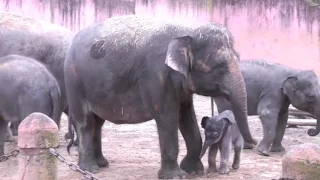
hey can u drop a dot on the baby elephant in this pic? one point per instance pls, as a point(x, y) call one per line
point(26, 87)
point(222, 132)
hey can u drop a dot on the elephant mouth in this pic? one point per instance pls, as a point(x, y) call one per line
point(214, 92)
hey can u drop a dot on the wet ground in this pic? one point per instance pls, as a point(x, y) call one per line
point(133, 152)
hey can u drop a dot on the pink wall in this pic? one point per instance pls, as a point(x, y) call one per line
point(284, 31)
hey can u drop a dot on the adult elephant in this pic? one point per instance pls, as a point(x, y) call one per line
point(271, 88)
point(45, 42)
point(130, 69)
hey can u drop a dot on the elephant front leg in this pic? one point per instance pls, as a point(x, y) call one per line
point(281, 127)
point(189, 129)
point(225, 149)
point(269, 119)
point(168, 137)
point(213, 150)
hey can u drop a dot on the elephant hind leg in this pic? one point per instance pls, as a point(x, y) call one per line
point(3, 131)
point(100, 159)
point(281, 127)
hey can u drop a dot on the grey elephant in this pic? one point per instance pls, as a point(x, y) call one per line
point(221, 132)
point(130, 69)
point(271, 88)
point(27, 87)
point(40, 40)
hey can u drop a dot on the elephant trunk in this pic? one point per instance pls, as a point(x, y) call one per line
point(236, 90)
point(205, 146)
point(312, 131)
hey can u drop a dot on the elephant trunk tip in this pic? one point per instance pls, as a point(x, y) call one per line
point(313, 132)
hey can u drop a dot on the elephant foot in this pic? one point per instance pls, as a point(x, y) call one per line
point(235, 165)
point(263, 150)
point(193, 166)
point(8, 137)
point(171, 173)
point(102, 162)
point(277, 148)
point(247, 145)
point(224, 170)
point(90, 166)
point(212, 170)
point(76, 142)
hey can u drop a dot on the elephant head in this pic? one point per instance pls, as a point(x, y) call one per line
point(303, 91)
point(210, 66)
point(215, 128)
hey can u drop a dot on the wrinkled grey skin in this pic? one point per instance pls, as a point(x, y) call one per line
point(27, 87)
point(221, 132)
point(130, 69)
point(271, 88)
point(40, 40)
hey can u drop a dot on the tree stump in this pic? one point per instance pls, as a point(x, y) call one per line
point(302, 162)
point(36, 134)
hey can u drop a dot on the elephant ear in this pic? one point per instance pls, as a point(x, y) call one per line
point(179, 55)
point(204, 121)
point(290, 85)
point(228, 116)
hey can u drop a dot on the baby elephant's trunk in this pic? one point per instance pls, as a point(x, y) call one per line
point(205, 146)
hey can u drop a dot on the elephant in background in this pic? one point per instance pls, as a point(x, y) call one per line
point(271, 88)
point(45, 42)
point(130, 69)
point(27, 87)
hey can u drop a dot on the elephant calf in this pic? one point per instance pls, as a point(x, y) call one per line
point(27, 87)
point(221, 132)
point(271, 88)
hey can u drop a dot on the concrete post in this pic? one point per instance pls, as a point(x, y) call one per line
point(302, 162)
point(36, 134)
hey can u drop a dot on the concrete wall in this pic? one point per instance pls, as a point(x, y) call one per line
point(283, 31)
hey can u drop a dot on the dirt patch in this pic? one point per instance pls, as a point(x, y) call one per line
point(133, 152)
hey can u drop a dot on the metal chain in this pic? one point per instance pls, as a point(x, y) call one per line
point(72, 166)
point(5, 157)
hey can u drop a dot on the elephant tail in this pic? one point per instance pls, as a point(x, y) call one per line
point(55, 99)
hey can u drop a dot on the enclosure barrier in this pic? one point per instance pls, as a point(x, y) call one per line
point(37, 140)
point(36, 134)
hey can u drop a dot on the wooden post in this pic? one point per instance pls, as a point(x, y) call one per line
point(212, 106)
point(36, 134)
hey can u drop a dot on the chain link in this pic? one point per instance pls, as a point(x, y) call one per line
point(5, 157)
point(72, 166)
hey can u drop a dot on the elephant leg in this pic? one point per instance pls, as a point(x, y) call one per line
point(268, 117)
point(190, 131)
point(238, 146)
point(225, 150)
point(14, 128)
point(213, 150)
point(8, 136)
point(281, 127)
point(100, 159)
point(86, 127)
point(68, 134)
point(247, 146)
point(3, 130)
